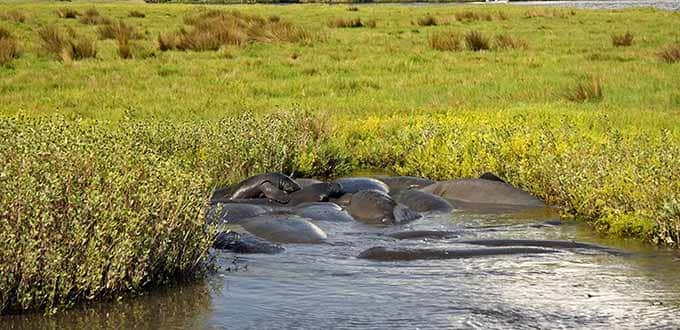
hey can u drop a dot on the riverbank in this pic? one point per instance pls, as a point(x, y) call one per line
point(553, 106)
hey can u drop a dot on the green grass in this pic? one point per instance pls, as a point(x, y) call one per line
point(107, 160)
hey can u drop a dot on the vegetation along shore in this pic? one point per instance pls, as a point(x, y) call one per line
point(118, 119)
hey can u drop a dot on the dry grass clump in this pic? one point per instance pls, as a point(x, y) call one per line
point(92, 17)
point(507, 41)
point(622, 40)
point(66, 47)
point(214, 28)
point(352, 8)
point(502, 16)
point(476, 41)
point(14, 16)
point(427, 20)
point(136, 14)
point(671, 53)
point(350, 23)
point(533, 13)
point(470, 16)
point(588, 89)
point(118, 30)
point(67, 13)
point(9, 47)
point(446, 41)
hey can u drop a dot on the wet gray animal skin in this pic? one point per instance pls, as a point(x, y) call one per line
point(481, 191)
point(244, 243)
point(323, 212)
point(378, 208)
point(232, 213)
point(424, 234)
point(386, 254)
point(353, 185)
point(318, 192)
point(304, 182)
point(284, 228)
point(536, 243)
point(421, 201)
point(274, 186)
point(396, 183)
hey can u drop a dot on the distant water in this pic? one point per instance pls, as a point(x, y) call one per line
point(673, 5)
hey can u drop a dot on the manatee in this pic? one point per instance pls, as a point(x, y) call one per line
point(377, 207)
point(422, 234)
point(304, 182)
point(421, 201)
point(323, 212)
point(284, 228)
point(353, 185)
point(274, 186)
point(244, 243)
point(318, 192)
point(402, 254)
point(490, 177)
point(223, 213)
point(405, 182)
point(481, 191)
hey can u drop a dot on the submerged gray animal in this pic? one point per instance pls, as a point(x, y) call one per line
point(353, 185)
point(274, 186)
point(323, 212)
point(376, 207)
point(482, 191)
point(318, 192)
point(423, 201)
point(284, 228)
point(244, 243)
point(403, 254)
point(304, 182)
point(396, 183)
point(233, 213)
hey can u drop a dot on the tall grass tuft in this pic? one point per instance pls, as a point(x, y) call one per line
point(67, 13)
point(346, 23)
point(671, 53)
point(445, 41)
point(66, 47)
point(118, 30)
point(588, 89)
point(507, 41)
point(136, 14)
point(212, 29)
point(476, 41)
point(92, 17)
point(14, 15)
point(427, 20)
point(9, 47)
point(622, 40)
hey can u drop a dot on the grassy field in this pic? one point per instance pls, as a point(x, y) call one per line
point(117, 122)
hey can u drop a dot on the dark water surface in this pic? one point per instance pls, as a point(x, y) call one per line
point(326, 286)
point(673, 5)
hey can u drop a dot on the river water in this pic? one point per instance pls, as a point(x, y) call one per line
point(673, 5)
point(326, 286)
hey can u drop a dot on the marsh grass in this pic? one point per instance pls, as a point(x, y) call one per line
point(167, 41)
point(92, 17)
point(445, 41)
point(671, 53)
point(9, 47)
point(477, 41)
point(352, 8)
point(14, 15)
point(67, 47)
point(67, 13)
point(118, 30)
point(508, 41)
point(136, 14)
point(587, 89)
point(427, 20)
point(622, 40)
point(471, 16)
point(350, 23)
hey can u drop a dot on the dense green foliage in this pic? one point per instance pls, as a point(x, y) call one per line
point(106, 160)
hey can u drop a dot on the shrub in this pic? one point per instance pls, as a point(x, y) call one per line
point(588, 89)
point(445, 41)
point(506, 41)
point(92, 17)
point(14, 16)
point(66, 47)
point(670, 53)
point(67, 13)
point(476, 41)
point(622, 40)
point(346, 23)
point(119, 31)
point(427, 20)
point(136, 14)
point(9, 47)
